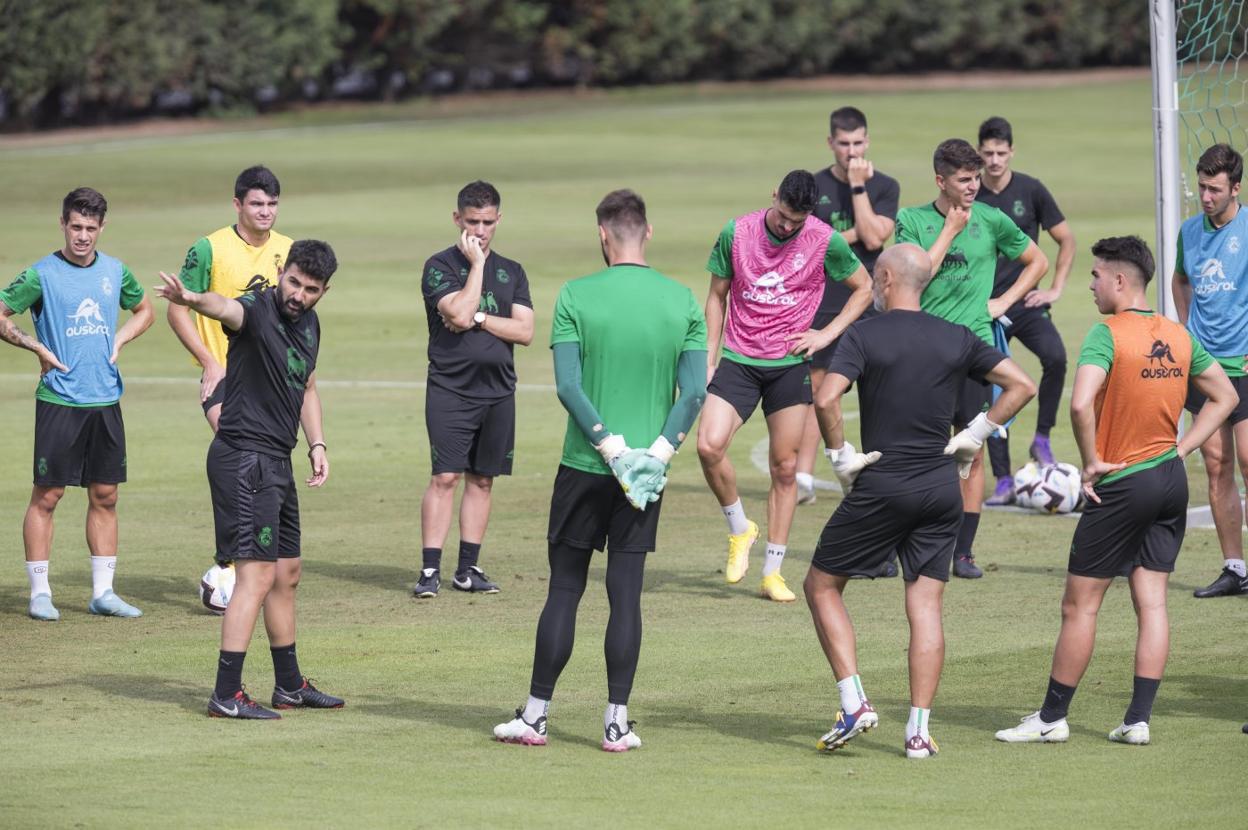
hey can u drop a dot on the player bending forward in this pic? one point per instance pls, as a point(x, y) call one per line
point(270, 387)
point(902, 493)
point(1129, 391)
point(624, 340)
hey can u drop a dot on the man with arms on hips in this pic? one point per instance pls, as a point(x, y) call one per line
point(478, 307)
point(245, 256)
point(860, 203)
point(74, 296)
point(1211, 296)
point(270, 389)
point(1032, 207)
point(902, 491)
point(768, 272)
point(626, 342)
point(964, 238)
point(1130, 385)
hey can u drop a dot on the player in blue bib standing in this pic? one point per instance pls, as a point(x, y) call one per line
point(74, 296)
point(1211, 296)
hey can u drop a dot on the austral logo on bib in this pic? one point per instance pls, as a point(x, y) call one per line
point(769, 290)
point(1211, 278)
point(1158, 356)
point(86, 320)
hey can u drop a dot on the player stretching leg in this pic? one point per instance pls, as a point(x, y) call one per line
point(1130, 386)
point(902, 492)
point(624, 340)
point(768, 272)
point(270, 388)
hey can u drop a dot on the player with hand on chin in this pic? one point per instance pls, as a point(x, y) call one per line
point(270, 389)
point(902, 493)
point(1130, 387)
point(626, 342)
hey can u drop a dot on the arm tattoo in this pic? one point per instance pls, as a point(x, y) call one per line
point(12, 334)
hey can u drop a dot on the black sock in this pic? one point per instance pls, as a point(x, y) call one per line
point(1056, 701)
point(229, 674)
point(432, 557)
point(966, 534)
point(1141, 708)
point(468, 554)
point(286, 668)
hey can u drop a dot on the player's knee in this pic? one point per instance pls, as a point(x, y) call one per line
point(255, 578)
point(483, 483)
point(291, 570)
point(103, 496)
point(710, 451)
point(45, 499)
point(784, 470)
point(445, 482)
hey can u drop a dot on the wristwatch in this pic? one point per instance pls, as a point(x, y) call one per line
point(478, 319)
point(858, 188)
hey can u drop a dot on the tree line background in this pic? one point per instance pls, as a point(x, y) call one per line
point(91, 61)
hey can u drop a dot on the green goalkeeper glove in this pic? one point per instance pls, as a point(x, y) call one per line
point(648, 475)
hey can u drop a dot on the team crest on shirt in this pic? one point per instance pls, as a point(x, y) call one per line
point(1018, 208)
point(799, 259)
point(1232, 244)
point(106, 286)
point(974, 231)
point(824, 200)
point(502, 276)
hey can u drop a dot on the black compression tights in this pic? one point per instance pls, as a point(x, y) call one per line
point(556, 629)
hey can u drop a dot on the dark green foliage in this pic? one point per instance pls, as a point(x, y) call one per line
point(85, 60)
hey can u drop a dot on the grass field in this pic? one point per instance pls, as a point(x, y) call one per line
point(104, 719)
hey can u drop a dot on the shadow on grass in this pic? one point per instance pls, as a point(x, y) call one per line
point(150, 688)
point(1059, 573)
point(760, 727)
point(1218, 697)
point(478, 721)
point(139, 589)
point(384, 577)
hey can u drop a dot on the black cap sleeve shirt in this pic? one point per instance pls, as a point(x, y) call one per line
point(909, 368)
point(267, 369)
point(473, 364)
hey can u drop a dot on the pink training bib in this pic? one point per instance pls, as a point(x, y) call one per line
point(776, 289)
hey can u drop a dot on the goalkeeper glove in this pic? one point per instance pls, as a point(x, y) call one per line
point(847, 463)
point(648, 475)
point(616, 453)
point(965, 445)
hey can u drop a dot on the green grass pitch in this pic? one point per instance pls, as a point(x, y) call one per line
point(103, 720)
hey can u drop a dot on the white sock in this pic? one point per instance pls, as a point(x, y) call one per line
point(917, 725)
point(616, 714)
point(852, 695)
point(775, 558)
point(102, 570)
point(1236, 565)
point(535, 708)
point(735, 514)
point(37, 572)
point(805, 481)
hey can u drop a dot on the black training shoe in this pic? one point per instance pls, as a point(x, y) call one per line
point(428, 584)
point(240, 706)
point(473, 579)
point(306, 696)
point(964, 566)
point(1228, 584)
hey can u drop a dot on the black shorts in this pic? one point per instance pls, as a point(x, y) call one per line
point(974, 398)
point(1195, 400)
point(1139, 522)
point(476, 436)
point(743, 385)
point(589, 510)
point(254, 504)
point(217, 397)
point(865, 530)
point(79, 445)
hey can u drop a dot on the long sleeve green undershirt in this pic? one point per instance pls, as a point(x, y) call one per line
point(691, 381)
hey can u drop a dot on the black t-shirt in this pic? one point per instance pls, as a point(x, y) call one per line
point(473, 364)
point(909, 367)
point(1031, 206)
point(266, 372)
point(835, 206)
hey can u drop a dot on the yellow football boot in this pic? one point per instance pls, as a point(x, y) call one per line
point(739, 553)
point(774, 589)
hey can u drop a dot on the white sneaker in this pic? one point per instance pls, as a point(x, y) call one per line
point(519, 731)
point(805, 493)
point(1136, 734)
point(1033, 730)
point(614, 741)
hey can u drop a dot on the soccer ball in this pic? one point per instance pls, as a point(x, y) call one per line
point(1026, 480)
point(1058, 490)
point(216, 587)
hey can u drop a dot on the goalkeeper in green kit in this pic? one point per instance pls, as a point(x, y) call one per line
point(627, 342)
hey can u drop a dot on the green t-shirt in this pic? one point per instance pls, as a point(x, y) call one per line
point(632, 324)
point(1098, 350)
point(196, 273)
point(962, 287)
point(839, 264)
